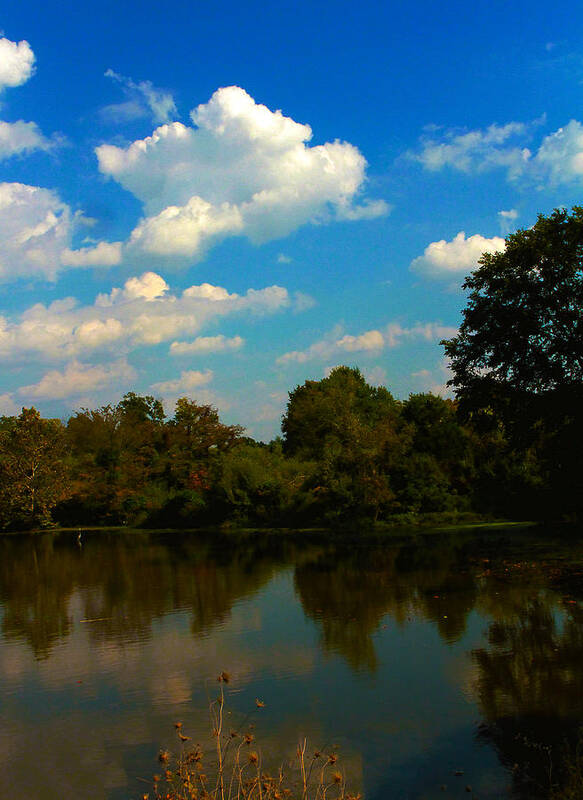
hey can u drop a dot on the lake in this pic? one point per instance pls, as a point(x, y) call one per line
point(417, 656)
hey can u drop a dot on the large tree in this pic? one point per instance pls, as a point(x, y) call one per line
point(353, 431)
point(34, 469)
point(518, 357)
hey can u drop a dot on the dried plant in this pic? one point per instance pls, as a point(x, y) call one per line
point(234, 770)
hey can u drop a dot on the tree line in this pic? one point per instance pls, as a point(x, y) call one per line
point(348, 451)
point(510, 445)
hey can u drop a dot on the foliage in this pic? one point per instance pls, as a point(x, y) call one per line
point(352, 430)
point(522, 328)
point(350, 452)
point(33, 469)
point(517, 359)
point(260, 485)
point(333, 411)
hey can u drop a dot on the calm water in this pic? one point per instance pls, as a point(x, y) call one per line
point(417, 656)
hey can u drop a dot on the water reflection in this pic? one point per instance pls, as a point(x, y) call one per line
point(125, 582)
point(530, 689)
point(138, 621)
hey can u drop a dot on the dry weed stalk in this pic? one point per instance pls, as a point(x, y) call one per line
point(236, 774)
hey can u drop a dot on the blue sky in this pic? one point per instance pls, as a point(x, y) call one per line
point(222, 202)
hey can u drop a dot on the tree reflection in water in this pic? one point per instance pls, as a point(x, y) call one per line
point(527, 678)
point(530, 690)
point(125, 582)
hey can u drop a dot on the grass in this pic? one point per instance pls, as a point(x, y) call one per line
point(232, 768)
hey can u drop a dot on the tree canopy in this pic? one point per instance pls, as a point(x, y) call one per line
point(517, 360)
point(522, 328)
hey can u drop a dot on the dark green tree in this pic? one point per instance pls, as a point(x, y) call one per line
point(352, 429)
point(437, 473)
point(518, 357)
point(119, 464)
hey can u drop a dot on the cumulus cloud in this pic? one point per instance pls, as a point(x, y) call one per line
point(17, 138)
point(104, 254)
point(477, 150)
point(16, 67)
point(78, 379)
point(239, 170)
point(144, 99)
point(36, 232)
point(373, 341)
point(444, 259)
point(189, 380)
point(16, 63)
point(559, 159)
point(35, 225)
point(206, 344)
point(142, 312)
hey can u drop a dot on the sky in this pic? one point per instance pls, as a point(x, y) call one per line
point(221, 201)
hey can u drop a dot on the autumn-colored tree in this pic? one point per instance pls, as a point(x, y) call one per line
point(194, 436)
point(34, 473)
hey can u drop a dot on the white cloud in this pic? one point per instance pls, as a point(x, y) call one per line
point(143, 312)
point(34, 227)
point(189, 380)
point(434, 380)
point(77, 379)
point(392, 335)
point(477, 150)
point(206, 344)
point(370, 209)
point(16, 63)
point(144, 99)
point(148, 287)
point(303, 302)
point(283, 259)
point(444, 259)
point(240, 170)
point(559, 159)
point(371, 340)
point(16, 67)
point(36, 232)
point(21, 137)
point(8, 408)
point(376, 376)
point(187, 230)
point(104, 254)
point(507, 219)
